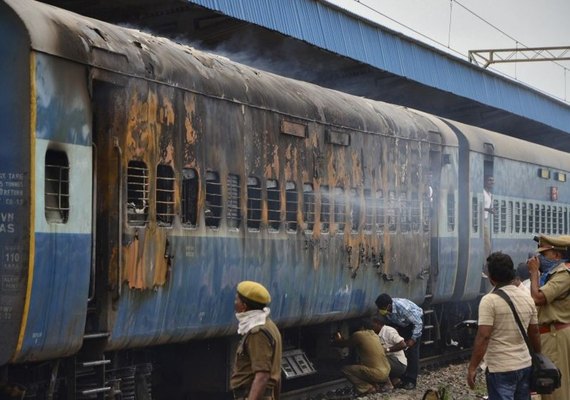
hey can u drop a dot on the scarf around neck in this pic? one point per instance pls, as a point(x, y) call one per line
point(250, 319)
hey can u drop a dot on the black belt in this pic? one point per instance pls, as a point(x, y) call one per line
point(242, 393)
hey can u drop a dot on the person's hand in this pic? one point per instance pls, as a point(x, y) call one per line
point(471, 374)
point(410, 343)
point(533, 265)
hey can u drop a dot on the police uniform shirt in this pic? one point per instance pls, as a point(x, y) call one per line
point(255, 354)
point(556, 290)
point(370, 351)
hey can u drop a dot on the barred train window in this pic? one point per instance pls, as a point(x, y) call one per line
point(137, 193)
point(392, 211)
point(164, 195)
point(291, 206)
point(531, 218)
point(325, 208)
point(253, 203)
point(190, 186)
point(475, 214)
point(369, 210)
point(561, 230)
point(450, 212)
point(233, 212)
point(355, 210)
point(273, 204)
point(56, 187)
point(213, 207)
point(309, 206)
point(404, 212)
point(524, 218)
point(503, 216)
point(379, 211)
point(339, 208)
point(543, 227)
point(415, 213)
point(496, 216)
point(517, 217)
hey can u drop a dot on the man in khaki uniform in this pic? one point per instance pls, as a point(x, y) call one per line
point(374, 368)
point(550, 290)
point(257, 368)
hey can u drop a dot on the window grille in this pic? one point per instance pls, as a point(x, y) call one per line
point(233, 212)
point(415, 213)
point(504, 215)
point(517, 217)
point(56, 187)
point(164, 195)
point(190, 186)
point(510, 218)
point(309, 206)
point(392, 211)
point(291, 198)
point(325, 208)
point(379, 211)
point(339, 208)
point(543, 224)
point(561, 230)
point(355, 213)
point(554, 219)
point(524, 218)
point(404, 212)
point(273, 204)
point(531, 224)
point(450, 212)
point(496, 217)
point(475, 214)
point(253, 203)
point(137, 193)
point(213, 206)
point(368, 210)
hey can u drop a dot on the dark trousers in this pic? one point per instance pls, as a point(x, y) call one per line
point(413, 355)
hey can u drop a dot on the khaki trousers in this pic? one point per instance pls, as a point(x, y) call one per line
point(364, 378)
point(556, 345)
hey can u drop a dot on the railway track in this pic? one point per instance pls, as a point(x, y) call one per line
point(341, 389)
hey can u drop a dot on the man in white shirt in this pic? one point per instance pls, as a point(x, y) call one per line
point(394, 346)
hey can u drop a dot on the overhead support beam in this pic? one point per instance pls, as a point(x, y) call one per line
point(527, 54)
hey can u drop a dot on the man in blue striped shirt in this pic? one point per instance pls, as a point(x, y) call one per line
point(406, 317)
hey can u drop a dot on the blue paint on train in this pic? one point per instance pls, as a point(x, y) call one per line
point(60, 288)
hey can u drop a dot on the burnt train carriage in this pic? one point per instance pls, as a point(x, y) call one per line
point(142, 179)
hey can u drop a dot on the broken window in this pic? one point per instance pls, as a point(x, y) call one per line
point(355, 210)
point(369, 210)
point(164, 195)
point(309, 206)
point(291, 206)
point(137, 193)
point(189, 197)
point(56, 187)
point(339, 208)
point(213, 206)
point(233, 214)
point(253, 203)
point(273, 204)
point(325, 208)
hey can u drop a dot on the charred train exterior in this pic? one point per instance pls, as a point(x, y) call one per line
point(142, 179)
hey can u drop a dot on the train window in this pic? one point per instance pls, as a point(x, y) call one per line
point(426, 208)
point(554, 219)
point(392, 211)
point(565, 221)
point(450, 212)
point(369, 210)
point(415, 212)
point(549, 229)
point(253, 203)
point(273, 204)
point(543, 224)
point(291, 206)
point(309, 206)
point(137, 193)
point(379, 211)
point(504, 215)
point(524, 216)
point(164, 195)
point(537, 221)
point(517, 217)
point(510, 218)
point(213, 207)
point(189, 197)
point(325, 208)
point(475, 214)
point(339, 208)
point(56, 187)
point(233, 211)
point(531, 218)
point(496, 216)
point(355, 210)
point(561, 230)
point(404, 212)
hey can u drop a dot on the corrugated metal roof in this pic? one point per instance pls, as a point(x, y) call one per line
point(338, 31)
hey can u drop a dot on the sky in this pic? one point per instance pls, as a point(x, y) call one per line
point(528, 23)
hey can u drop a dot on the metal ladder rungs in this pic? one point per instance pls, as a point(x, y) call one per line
point(95, 363)
point(96, 390)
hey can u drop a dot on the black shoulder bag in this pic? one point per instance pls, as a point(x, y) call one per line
point(545, 377)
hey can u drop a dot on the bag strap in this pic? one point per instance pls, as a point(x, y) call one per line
point(506, 297)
